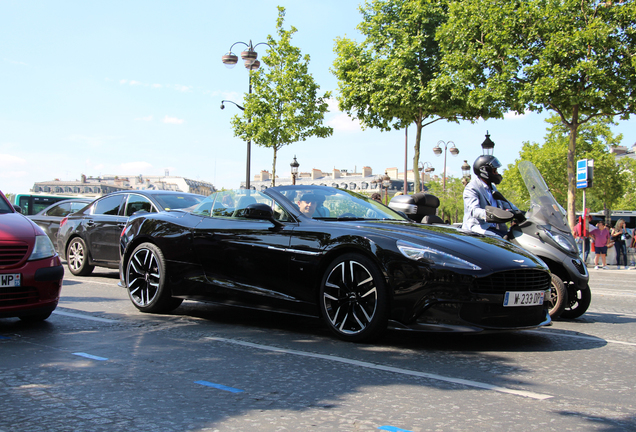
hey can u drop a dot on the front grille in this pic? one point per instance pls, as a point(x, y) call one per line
point(15, 296)
point(579, 266)
point(512, 280)
point(12, 253)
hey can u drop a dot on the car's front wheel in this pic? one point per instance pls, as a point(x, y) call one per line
point(77, 258)
point(146, 280)
point(353, 298)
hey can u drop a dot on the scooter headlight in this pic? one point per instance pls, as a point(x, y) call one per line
point(562, 241)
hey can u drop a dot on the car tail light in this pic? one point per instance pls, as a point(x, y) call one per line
point(63, 222)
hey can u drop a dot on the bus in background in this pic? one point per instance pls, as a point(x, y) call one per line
point(34, 203)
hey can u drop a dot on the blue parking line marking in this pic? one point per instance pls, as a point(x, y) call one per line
point(393, 429)
point(90, 356)
point(219, 386)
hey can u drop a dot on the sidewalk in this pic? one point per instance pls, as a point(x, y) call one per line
point(590, 267)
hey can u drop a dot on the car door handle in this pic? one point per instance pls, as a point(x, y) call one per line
point(90, 223)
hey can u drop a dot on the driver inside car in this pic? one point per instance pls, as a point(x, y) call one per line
point(308, 204)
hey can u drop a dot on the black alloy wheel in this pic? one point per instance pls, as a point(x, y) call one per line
point(353, 298)
point(578, 302)
point(558, 297)
point(77, 258)
point(146, 280)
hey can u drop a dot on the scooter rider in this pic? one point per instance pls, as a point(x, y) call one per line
point(481, 214)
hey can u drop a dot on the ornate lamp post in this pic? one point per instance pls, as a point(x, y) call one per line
point(488, 146)
point(438, 151)
point(465, 173)
point(425, 167)
point(294, 169)
point(250, 57)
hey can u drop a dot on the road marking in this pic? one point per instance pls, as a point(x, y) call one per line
point(590, 338)
point(393, 429)
point(219, 386)
point(367, 365)
point(86, 317)
point(90, 356)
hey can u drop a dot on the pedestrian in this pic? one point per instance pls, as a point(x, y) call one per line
point(601, 238)
point(618, 237)
point(376, 197)
point(582, 237)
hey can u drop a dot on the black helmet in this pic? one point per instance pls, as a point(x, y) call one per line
point(485, 167)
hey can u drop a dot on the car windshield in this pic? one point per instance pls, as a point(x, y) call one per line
point(326, 203)
point(232, 203)
point(177, 201)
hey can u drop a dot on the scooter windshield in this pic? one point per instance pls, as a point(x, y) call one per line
point(544, 209)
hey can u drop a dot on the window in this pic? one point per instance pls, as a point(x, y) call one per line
point(138, 203)
point(108, 205)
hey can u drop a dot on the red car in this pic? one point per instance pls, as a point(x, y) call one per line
point(31, 272)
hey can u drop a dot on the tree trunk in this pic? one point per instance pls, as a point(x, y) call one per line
point(416, 155)
point(572, 168)
point(274, 168)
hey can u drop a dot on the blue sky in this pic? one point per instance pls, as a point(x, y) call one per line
point(134, 87)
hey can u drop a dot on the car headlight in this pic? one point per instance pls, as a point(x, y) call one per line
point(434, 256)
point(562, 241)
point(43, 248)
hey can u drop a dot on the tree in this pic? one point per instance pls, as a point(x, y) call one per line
point(451, 201)
point(573, 57)
point(388, 80)
point(594, 141)
point(627, 167)
point(284, 107)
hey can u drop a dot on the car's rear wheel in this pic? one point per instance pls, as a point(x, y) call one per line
point(353, 298)
point(146, 280)
point(77, 258)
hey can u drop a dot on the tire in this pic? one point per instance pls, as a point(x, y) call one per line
point(146, 280)
point(558, 297)
point(353, 299)
point(77, 258)
point(578, 302)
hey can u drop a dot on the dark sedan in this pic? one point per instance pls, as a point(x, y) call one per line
point(90, 237)
point(49, 219)
point(327, 252)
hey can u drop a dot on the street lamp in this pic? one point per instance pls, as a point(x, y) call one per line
point(294, 169)
point(425, 167)
point(488, 146)
point(230, 60)
point(438, 151)
point(465, 173)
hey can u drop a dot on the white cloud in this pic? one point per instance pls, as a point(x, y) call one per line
point(342, 122)
point(13, 175)
point(146, 118)
point(15, 62)
point(10, 161)
point(133, 82)
point(182, 88)
point(172, 120)
point(156, 86)
point(135, 167)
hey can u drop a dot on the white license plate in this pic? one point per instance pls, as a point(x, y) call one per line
point(9, 280)
point(523, 298)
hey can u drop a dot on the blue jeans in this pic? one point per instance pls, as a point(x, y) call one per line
point(621, 251)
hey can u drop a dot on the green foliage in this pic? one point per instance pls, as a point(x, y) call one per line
point(284, 107)
point(627, 167)
point(594, 141)
point(451, 202)
point(388, 81)
point(574, 57)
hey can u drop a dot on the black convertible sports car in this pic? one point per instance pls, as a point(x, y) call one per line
point(332, 253)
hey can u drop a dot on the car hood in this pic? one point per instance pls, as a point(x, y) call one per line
point(14, 226)
point(489, 253)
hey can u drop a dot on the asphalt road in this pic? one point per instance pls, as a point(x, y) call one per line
point(99, 365)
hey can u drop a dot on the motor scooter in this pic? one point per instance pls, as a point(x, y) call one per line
point(543, 231)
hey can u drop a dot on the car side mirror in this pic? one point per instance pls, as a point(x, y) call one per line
point(17, 208)
point(260, 211)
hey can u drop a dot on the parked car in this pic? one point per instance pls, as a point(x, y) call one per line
point(49, 219)
point(31, 272)
point(356, 263)
point(90, 237)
